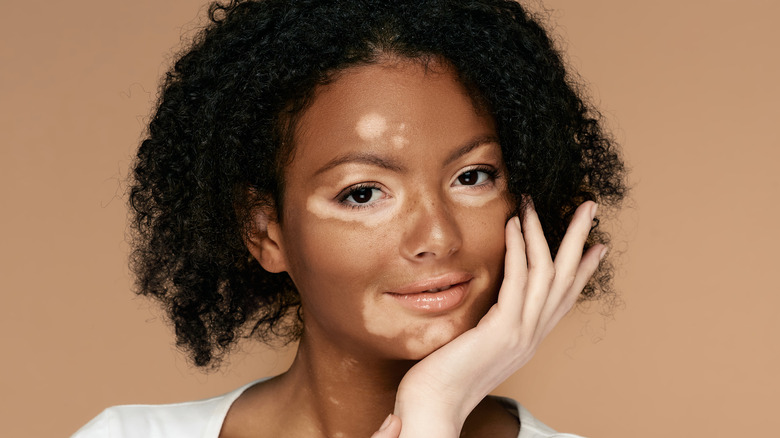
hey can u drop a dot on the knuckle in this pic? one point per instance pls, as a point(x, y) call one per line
point(520, 338)
point(546, 267)
point(519, 341)
point(548, 274)
point(568, 279)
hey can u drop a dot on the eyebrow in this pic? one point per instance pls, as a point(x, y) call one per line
point(468, 147)
point(375, 160)
point(364, 158)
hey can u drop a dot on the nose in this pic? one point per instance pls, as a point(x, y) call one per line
point(431, 232)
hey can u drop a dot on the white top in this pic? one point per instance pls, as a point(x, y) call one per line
point(204, 418)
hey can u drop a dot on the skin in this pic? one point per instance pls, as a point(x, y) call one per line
point(396, 179)
point(419, 220)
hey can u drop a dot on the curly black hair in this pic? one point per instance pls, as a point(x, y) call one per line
point(221, 136)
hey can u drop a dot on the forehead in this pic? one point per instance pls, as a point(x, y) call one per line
point(392, 107)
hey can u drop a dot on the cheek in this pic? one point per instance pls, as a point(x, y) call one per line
point(412, 339)
point(494, 199)
point(484, 221)
point(333, 255)
point(328, 251)
point(341, 245)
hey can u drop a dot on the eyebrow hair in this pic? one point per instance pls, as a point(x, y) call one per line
point(361, 157)
point(375, 160)
point(468, 147)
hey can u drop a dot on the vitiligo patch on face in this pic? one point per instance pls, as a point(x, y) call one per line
point(399, 141)
point(371, 126)
point(319, 205)
point(419, 338)
point(480, 200)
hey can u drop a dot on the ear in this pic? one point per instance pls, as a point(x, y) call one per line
point(264, 240)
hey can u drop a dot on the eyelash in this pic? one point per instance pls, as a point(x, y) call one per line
point(351, 191)
point(491, 173)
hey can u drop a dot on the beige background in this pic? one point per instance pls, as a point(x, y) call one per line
point(690, 88)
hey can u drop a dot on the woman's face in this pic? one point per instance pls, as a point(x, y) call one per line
point(394, 211)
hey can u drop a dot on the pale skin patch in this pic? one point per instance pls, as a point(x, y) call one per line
point(482, 200)
point(420, 338)
point(319, 205)
point(349, 363)
point(371, 127)
point(399, 140)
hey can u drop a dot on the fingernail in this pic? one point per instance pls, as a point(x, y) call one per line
point(386, 423)
point(593, 211)
point(517, 222)
point(603, 253)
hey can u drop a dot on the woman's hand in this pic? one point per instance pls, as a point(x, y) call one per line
point(438, 393)
point(391, 428)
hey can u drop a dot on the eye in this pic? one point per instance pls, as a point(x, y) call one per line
point(360, 196)
point(475, 177)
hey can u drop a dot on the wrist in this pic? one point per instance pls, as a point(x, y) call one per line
point(427, 425)
point(426, 417)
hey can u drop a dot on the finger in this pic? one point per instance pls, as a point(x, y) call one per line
point(587, 267)
point(570, 251)
point(567, 261)
point(541, 270)
point(512, 291)
point(391, 428)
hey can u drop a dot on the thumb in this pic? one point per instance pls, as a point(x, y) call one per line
point(391, 428)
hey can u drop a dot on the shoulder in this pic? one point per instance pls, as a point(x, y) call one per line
point(174, 420)
point(530, 426)
point(202, 418)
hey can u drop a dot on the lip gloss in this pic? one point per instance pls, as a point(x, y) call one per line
point(433, 302)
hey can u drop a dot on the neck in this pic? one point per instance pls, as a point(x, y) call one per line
point(341, 394)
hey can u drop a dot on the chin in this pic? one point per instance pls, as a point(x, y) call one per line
point(417, 344)
point(407, 335)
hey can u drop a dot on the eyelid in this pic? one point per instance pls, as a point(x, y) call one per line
point(341, 197)
point(492, 172)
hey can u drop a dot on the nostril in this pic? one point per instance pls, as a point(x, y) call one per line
point(425, 254)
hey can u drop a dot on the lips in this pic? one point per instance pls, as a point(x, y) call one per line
point(433, 295)
point(434, 284)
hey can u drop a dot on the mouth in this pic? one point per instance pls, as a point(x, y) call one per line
point(440, 289)
point(433, 295)
point(435, 284)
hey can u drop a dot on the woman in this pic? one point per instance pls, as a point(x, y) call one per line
point(406, 187)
